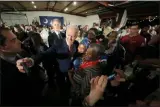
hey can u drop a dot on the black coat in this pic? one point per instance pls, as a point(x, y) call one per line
point(16, 86)
point(53, 37)
point(20, 89)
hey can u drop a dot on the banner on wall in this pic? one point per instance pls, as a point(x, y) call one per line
point(46, 20)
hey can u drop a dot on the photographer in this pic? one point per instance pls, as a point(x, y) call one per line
point(17, 88)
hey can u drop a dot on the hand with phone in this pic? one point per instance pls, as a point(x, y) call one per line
point(24, 64)
point(117, 77)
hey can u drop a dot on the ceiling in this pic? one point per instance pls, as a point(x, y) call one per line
point(82, 8)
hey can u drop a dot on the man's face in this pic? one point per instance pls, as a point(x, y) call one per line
point(134, 30)
point(91, 34)
point(71, 35)
point(12, 44)
point(56, 25)
point(145, 29)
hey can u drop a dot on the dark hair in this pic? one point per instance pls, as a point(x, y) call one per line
point(36, 38)
point(93, 52)
point(81, 33)
point(39, 26)
point(2, 37)
point(95, 31)
point(100, 37)
point(135, 24)
point(34, 28)
point(19, 28)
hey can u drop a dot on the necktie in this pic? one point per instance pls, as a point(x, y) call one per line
point(59, 35)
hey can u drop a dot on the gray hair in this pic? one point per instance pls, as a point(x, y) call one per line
point(73, 27)
point(56, 20)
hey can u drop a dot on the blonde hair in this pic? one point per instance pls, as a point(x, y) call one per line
point(113, 35)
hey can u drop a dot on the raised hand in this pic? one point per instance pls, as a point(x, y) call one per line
point(98, 86)
point(120, 77)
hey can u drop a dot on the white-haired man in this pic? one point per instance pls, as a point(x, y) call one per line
point(55, 34)
point(62, 52)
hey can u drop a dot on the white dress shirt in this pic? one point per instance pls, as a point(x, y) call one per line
point(44, 34)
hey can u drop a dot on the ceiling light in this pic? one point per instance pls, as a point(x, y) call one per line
point(110, 5)
point(74, 3)
point(65, 9)
point(32, 2)
point(35, 6)
point(86, 12)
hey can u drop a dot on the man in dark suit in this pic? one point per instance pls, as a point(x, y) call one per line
point(63, 51)
point(55, 33)
point(16, 88)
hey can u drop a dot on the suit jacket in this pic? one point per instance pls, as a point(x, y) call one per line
point(58, 51)
point(20, 89)
point(53, 37)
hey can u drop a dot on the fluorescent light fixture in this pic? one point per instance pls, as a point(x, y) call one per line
point(65, 9)
point(74, 3)
point(35, 6)
point(32, 2)
point(110, 5)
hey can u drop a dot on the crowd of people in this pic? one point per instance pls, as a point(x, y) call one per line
point(87, 67)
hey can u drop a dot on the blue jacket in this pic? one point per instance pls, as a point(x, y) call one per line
point(86, 42)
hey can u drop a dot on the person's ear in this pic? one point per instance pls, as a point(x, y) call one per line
point(2, 48)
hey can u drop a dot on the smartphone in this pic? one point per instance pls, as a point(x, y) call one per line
point(27, 70)
point(111, 77)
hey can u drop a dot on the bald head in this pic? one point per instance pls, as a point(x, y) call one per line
point(71, 33)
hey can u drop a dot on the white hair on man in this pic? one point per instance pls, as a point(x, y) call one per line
point(57, 20)
point(72, 27)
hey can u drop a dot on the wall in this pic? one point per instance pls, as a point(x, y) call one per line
point(67, 18)
point(73, 19)
point(89, 20)
point(12, 19)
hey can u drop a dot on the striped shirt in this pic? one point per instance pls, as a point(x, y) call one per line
point(83, 77)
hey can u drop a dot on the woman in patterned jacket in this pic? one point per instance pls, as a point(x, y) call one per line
point(91, 67)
